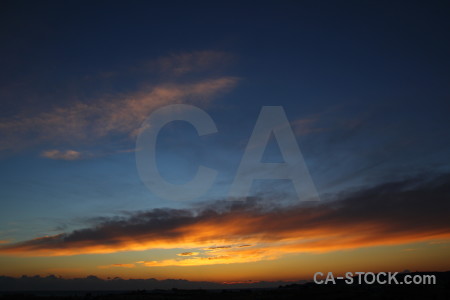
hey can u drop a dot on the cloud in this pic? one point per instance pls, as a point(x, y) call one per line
point(214, 256)
point(197, 261)
point(218, 247)
point(122, 115)
point(62, 155)
point(117, 115)
point(392, 213)
point(188, 254)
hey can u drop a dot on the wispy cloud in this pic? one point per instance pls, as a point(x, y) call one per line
point(388, 214)
point(121, 115)
point(199, 261)
point(188, 254)
point(62, 155)
point(214, 256)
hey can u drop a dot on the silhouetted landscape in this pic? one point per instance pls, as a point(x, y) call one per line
point(92, 287)
point(93, 283)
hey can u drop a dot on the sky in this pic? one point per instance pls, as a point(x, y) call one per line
point(349, 99)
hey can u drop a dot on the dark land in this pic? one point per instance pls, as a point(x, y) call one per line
point(308, 290)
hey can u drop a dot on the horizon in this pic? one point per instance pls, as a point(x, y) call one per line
point(52, 283)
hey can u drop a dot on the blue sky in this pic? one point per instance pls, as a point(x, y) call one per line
point(366, 79)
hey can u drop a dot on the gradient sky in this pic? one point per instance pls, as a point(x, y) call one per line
point(364, 84)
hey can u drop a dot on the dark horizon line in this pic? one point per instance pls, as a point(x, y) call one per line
point(52, 283)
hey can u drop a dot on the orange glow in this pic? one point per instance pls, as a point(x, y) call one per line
point(240, 238)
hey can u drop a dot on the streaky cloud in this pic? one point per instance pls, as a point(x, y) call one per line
point(391, 213)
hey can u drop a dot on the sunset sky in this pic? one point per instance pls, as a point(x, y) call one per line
point(365, 88)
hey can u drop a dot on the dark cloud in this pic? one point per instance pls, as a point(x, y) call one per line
point(391, 213)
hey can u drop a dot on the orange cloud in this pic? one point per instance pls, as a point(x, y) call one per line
point(217, 255)
point(389, 214)
point(188, 254)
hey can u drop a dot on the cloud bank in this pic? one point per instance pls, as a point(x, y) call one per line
point(236, 232)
